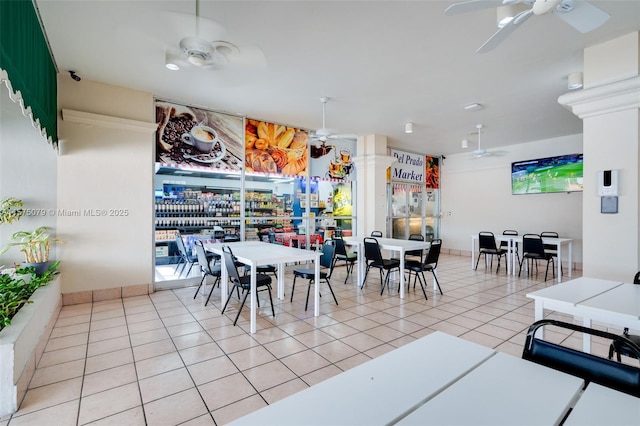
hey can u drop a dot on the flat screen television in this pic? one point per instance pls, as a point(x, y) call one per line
point(562, 173)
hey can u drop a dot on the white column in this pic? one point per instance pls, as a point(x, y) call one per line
point(371, 164)
point(609, 107)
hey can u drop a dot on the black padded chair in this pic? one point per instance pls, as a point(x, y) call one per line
point(184, 257)
point(619, 348)
point(266, 269)
point(430, 263)
point(414, 253)
point(504, 244)
point(532, 251)
point(487, 247)
point(552, 249)
point(342, 254)
point(263, 282)
point(591, 368)
point(374, 259)
point(207, 269)
point(326, 262)
point(376, 234)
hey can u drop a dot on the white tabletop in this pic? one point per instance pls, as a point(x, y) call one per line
point(575, 291)
point(603, 406)
point(504, 390)
point(380, 391)
point(624, 300)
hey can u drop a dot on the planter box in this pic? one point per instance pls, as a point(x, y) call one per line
point(22, 344)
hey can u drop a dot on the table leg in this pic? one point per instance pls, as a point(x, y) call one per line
point(559, 265)
point(224, 283)
point(281, 269)
point(316, 290)
point(401, 271)
point(570, 258)
point(473, 251)
point(254, 297)
point(538, 315)
point(586, 337)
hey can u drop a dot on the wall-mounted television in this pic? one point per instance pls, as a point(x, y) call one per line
point(562, 173)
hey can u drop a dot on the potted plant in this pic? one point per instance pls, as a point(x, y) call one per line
point(35, 246)
point(10, 210)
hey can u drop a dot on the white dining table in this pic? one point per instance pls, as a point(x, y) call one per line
point(503, 390)
point(256, 253)
point(392, 244)
point(514, 240)
point(599, 406)
point(441, 379)
point(380, 391)
point(582, 298)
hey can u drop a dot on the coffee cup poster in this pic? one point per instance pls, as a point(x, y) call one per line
point(189, 137)
point(333, 159)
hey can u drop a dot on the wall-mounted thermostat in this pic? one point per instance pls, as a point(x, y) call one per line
point(608, 183)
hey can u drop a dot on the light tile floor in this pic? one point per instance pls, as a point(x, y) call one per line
point(165, 359)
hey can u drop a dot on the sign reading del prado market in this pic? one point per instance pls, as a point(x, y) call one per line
point(408, 166)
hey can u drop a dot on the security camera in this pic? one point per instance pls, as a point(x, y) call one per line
point(74, 76)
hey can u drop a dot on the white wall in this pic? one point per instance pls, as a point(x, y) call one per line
point(476, 196)
point(27, 172)
point(106, 166)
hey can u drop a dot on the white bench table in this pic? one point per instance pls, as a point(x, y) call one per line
point(504, 390)
point(569, 298)
point(603, 406)
point(380, 391)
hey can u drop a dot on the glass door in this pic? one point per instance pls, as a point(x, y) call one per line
point(407, 206)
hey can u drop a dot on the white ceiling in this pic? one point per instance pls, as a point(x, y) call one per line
point(381, 63)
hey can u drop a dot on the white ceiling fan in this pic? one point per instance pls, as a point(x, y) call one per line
point(323, 134)
point(580, 14)
point(191, 41)
point(480, 152)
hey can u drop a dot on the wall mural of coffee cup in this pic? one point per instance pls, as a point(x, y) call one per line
point(189, 137)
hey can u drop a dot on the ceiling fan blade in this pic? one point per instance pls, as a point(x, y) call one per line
point(346, 136)
point(584, 16)
point(505, 31)
point(471, 6)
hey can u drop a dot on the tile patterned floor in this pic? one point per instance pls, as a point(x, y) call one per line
point(165, 359)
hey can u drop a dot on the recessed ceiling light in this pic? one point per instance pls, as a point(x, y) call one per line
point(473, 107)
point(408, 127)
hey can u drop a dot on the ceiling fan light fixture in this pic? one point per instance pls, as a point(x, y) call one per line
point(505, 14)
point(473, 107)
point(171, 61)
point(196, 58)
point(408, 127)
point(575, 81)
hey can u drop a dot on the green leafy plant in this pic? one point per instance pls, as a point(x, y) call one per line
point(16, 287)
point(35, 245)
point(10, 210)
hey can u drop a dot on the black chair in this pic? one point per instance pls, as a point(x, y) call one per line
point(552, 249)
point(263, 282)
point(591, 368)
point(430, 263)
point(487, 247)
point(532, 251)
point(374, 259)
point(343, 254)
point(376, 234)
point(207, 269)
point(326, 261)
point(184, 257)
point(619, 347)
point(231, 238)
point(414, 253)
point(504, 244)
